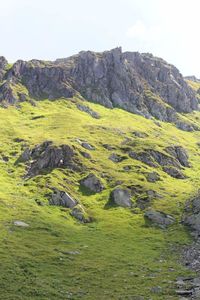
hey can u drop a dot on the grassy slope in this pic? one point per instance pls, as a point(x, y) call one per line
point(119, 256)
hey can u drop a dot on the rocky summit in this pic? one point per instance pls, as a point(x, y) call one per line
point(99, 179)
point(139, 83)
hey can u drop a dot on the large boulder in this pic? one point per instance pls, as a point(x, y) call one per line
point(159, 218)
point(92, 183)
point(46, 157)
point(121, 197)
point(61, 198)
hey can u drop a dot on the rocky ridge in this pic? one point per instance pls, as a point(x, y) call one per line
point(139, 83)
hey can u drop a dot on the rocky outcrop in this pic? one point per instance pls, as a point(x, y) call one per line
point(61, 198)
point(172, 160)
point(46, 157)
point(191, 215)
point(88, 110)
point(159, 219)
point(153, 177)
point(79, 213)
point(121, 197)
point(139, 83)
point(92, 183)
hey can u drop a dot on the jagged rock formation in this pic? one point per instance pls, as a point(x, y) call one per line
point(46, 157)
point(139, 83)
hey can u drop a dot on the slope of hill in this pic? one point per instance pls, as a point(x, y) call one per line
point(86, 196)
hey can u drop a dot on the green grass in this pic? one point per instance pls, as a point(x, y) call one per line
point(119, 255)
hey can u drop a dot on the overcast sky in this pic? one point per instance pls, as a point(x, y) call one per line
point(49, 29)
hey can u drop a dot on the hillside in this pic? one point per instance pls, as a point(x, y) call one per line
point(67, 235)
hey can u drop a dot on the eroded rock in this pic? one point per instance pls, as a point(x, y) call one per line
point(61, 198)
point(159, 218)
point(92, 183)
point(121, 197)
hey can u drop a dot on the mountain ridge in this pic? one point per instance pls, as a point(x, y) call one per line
point(139, 83)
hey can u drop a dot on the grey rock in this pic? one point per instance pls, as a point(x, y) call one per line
point(191, 216)
point(60, 198)
point(79, 213)
point(156, 290)
point(92, 183)
point(174, 172)
point(159, 218)
point(153, 177)
point(116, 157)
point(46, 157)
point(180, 154)
point(139, 83)
point(121, 197)
point(88, 110)
point(139, 134)
point(20, 224)
point(86, 155)
point(108, 147)
point(87, 146)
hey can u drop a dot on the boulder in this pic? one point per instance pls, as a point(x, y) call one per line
point(46, 157)
point(92, 183)
point(180, 154)
point(121, 197)
point(191, 216)
point(159, 218)
point(60, 198)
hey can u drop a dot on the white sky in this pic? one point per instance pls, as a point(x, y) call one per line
point(49, 29)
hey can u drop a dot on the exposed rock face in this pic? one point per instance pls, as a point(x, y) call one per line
point(139, 83)
point(191, 216)
point(92, 183)
point(159, 218)
point(121, 197)
point(47, 156)
point(60, 198)
point(172, 162)
point(88, 110)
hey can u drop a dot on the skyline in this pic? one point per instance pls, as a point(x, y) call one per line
point(56, 29)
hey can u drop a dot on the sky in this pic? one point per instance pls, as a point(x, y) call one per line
point(50, 29)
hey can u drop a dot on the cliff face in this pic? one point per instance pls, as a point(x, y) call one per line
point(139, 83)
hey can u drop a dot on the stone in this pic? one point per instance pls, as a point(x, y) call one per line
point(180, 154)
point(92, 183)
point(153, 177)
point(174, 172)
point(61, 198)
point(121, 197)
point(159, 218)
point(86, 154)
point(116, 157)
point(108, 147)
point(46, 157)
point(20, 224)
point(79, 213)
point(156, 290)
point(87, 146)
point(88, 110)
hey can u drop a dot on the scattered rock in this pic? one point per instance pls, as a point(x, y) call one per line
point(88, 110)
point(86, 154)
point(87, 146)
point(121, 197)
point(139, 134)
point(108, 147)
point(159, 218)
point(117, 158)
point(92, 183)
point(127, 168)
point(153, 177)
point(20, 224)
point(60, 198)
point(80, 214)
point(180, 154)
point(156, 290)
point(174, 172)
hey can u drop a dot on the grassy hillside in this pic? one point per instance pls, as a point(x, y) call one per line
point(118, 255)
